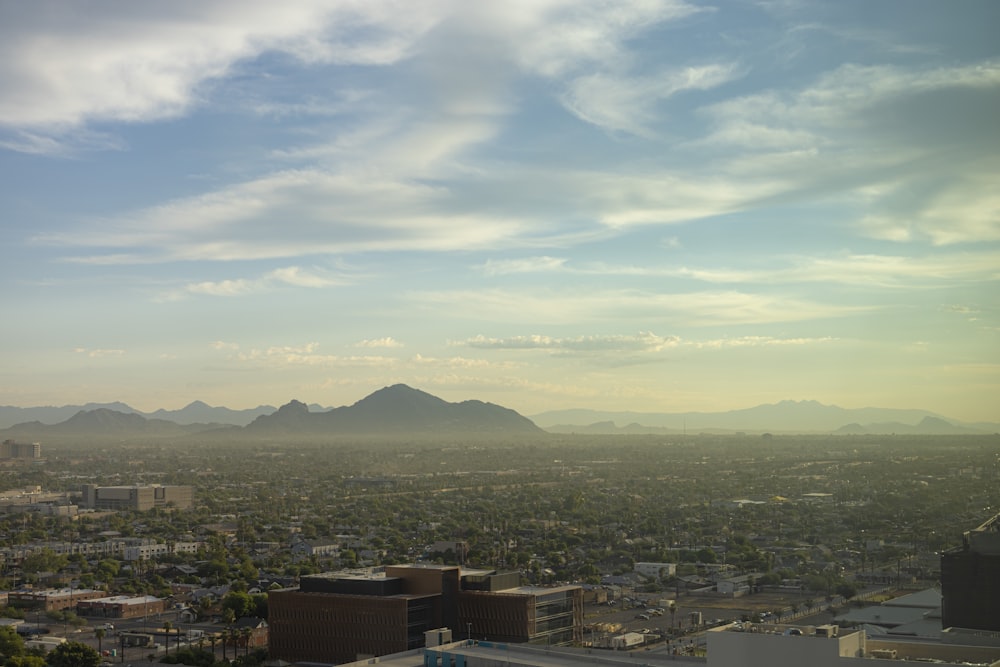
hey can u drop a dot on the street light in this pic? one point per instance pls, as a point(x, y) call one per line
point(468, 632)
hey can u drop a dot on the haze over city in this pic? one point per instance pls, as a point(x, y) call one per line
point(653, 206)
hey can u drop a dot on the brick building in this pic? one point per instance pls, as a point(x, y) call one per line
point(121, 606)
point(342, 617)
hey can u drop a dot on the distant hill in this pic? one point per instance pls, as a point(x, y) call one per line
point(926, 426)
point(782, 417)
point(50, 414)
point(193, 413)
point(400, 409)
point(202, 413)
point(396, 410)
point(104, 422)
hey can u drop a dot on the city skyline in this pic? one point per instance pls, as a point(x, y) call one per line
point(659, 206)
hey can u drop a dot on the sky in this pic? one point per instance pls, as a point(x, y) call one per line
point(651, 205)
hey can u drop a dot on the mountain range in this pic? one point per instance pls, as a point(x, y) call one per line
point(401, 410)
point(781, 417)
point(396, 410)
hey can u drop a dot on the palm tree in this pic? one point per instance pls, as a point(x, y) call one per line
point(99, 633)
point(246, 632)
point(234, 637)
point(167, 625)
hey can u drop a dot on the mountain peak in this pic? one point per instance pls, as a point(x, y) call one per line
point(293, 407)
point(398, 409)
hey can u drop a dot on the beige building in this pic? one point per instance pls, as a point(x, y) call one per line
point(763, 645)
point(136, 497)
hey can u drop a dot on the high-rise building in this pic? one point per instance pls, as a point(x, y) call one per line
point(339, 617)
point(10, 449)
point(970, 580)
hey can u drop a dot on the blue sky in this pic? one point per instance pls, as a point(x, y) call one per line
point(648, 205)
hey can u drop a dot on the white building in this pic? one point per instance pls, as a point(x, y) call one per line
point(762, 645)
point(654, 570)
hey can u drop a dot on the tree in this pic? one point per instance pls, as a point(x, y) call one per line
point(240, 603)
point(45, 560)
point(246, 634)
point(73, 654)
point(167, 625)
point(11, 643)
point(99, 633)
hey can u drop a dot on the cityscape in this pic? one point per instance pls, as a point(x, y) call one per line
point(543, 333)
point(283, 546)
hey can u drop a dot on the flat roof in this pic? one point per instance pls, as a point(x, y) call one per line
point(537, 656)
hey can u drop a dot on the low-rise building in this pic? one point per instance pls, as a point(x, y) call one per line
point(136, 497)
point(122, 606)
point(55, 599)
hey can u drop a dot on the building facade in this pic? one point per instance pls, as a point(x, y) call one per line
point(122, 606)
point(970, 580)
point(342, 617)
point(28, 451)
point(53, 599)
point(136, 497)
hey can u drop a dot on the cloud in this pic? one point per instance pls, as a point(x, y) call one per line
point(387, 342)
point(291, 276)
point(99, 353)
point(913, 148)
point(63, 64)
point(703, 308)
point(309, 355)
point(323, 213)
point(758, 341)
point(542, 264)
point(888, 271)
point(628, 104)
point(644, 341)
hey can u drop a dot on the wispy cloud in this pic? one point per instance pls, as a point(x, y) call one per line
point(499, 267)
point(386, 342)
point(692, 308)
point(148, 62)
point(645, 341)
point(889, 271)
point(291, 276)
point(628, 104)
point(99, 353)
point(836, 136)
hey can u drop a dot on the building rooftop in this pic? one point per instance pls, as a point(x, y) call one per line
point(533, 656)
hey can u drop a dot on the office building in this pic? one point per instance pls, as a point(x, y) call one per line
point(970, 580)
point(28, 451)
point(339, 617)
point(136, 497)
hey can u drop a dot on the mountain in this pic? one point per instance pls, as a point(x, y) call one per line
point(782, 417)
point(198, 412)
point(926, 426)
point(396, 410)
point(103, 422)
point(50, 414)
point(193, 413)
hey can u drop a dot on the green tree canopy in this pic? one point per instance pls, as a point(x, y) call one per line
point(11, 643)
point(73, 654)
